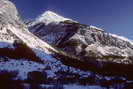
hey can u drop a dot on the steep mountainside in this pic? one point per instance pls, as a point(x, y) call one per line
point(94, 47)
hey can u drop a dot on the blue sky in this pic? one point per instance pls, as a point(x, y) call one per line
point(115, 16)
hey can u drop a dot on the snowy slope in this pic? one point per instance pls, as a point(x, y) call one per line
point(10, 32)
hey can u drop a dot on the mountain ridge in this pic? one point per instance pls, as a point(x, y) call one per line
point(86, 42)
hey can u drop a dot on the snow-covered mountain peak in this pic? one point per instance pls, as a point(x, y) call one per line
point(48, 17)
point(50, 13)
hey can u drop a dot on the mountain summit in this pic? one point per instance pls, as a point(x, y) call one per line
point(49, 17)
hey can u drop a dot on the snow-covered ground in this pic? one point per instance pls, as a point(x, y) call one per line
point(20, 66)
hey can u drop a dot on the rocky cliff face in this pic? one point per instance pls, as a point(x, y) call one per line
point(87, 41)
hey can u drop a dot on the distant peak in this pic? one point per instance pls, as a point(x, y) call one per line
point(49, 17)
point(52, 15)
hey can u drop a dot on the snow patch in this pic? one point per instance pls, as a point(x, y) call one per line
point(94, 27)
point(101, 50)
point(81, 87)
